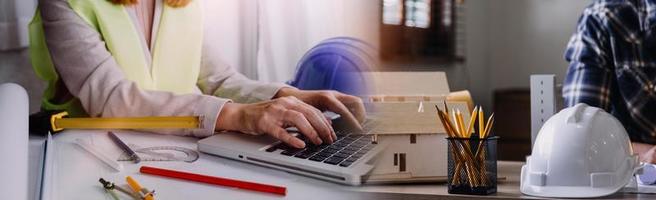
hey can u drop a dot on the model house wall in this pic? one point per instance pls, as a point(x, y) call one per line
point(413, 156)
point(407, 125)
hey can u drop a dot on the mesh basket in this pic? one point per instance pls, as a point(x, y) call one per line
point(472, 165)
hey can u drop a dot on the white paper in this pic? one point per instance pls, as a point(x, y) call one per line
point(14, 125)
point(76, 173)
point(49, 177)
point(37, 150)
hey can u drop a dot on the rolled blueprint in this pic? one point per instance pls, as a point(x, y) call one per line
point(648, 176)
point(14, 114)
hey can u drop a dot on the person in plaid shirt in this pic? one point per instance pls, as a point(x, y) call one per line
point(612, 65)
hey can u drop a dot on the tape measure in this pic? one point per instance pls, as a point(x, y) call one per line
point(58, 122)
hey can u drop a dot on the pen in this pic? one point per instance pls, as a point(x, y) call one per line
point(125, 147)
point(214, 180)
point(143, 192)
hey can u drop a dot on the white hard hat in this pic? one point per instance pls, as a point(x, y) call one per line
point(581, 152)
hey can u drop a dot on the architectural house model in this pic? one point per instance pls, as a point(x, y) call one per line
point(403, 108)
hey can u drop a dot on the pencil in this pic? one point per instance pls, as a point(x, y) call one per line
point(143, 192)
point(472, 120)
point(441, 118)
point(489, 124)
point(481, 122)
point(461, 124)
point(448, 127)
point(446, 122)
point(451, 126)
point(215, 180)
point(456, 124)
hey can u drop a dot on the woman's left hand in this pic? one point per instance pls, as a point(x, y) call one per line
point(646, 152)
point(349, 107)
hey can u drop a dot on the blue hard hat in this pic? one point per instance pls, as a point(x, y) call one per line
point(336, 64)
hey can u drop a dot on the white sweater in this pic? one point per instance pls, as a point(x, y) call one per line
point(91, 74)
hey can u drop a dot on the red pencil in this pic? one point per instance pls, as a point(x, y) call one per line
point(214, 180)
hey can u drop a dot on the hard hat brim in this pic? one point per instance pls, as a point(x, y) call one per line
point(568, 191)
point(572, 191)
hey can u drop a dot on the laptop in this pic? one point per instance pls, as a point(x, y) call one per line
point(346, 161)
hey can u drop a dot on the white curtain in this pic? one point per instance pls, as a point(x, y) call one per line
point(289, 28)
point(265, 39)
point(232, 28)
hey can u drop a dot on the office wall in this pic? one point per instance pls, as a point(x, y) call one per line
point(508, 40)
point(14, 64)
point(15, 67)
point(473, 75)
point(528, 37)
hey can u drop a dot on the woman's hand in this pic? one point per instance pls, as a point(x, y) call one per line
point(646, 152)
point(349, 107)
point(273, 116)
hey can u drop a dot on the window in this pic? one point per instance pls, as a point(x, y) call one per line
point(419, 31)
point(392, 12)
point(417, 13)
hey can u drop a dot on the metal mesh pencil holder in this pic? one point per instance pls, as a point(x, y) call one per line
point(472, 165)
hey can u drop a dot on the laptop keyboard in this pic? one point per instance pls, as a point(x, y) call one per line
point(345, 151)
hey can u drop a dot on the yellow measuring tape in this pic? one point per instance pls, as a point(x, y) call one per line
point(58, 122)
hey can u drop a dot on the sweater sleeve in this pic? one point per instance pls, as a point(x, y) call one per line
point(91, 74)
point(589, 76)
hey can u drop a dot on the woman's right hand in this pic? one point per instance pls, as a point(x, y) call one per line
point(273, 116)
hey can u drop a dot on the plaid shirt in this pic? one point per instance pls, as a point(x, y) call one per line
point(612, 58)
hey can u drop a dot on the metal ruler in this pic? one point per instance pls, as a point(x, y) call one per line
point(543, 101)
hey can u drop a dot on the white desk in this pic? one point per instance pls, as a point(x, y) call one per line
point(76, 172)
point(75, 175)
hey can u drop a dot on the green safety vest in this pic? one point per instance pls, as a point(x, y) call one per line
point(176, 54)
